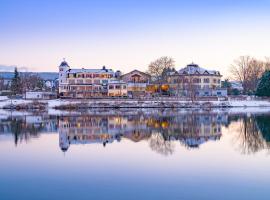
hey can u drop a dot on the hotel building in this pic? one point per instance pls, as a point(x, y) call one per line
point(84, 83)
point(194, 78)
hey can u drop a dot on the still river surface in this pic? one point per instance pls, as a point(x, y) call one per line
point(135, 154)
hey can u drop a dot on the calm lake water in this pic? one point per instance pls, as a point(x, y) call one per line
point(135, 154)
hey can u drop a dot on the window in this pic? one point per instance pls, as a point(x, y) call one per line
point(124, 87)
point(89, 76)
point(206, 80)
point(88, 81)
point(95, 75)
point(104, 81)
point(97, 81)
point(118, 87)
point(196, 80)
point(80, 81)
point(111, 87)
point(214, 80)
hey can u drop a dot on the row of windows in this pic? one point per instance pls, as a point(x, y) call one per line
point(83, 88)
point(117, 87)
point(196, 80)
point(79, 75)
point(88, 81)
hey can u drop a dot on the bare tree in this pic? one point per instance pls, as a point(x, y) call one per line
point(247, 71)
point(157, 67)
point(249, 137)
point(31, 82)
point(267, 64)
point(256, 71)
point(160, 145)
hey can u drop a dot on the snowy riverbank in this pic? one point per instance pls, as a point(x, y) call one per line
point(61, 104)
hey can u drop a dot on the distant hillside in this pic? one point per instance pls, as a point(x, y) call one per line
point(43, 75)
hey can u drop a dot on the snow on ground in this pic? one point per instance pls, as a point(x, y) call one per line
point(8, 102)
point(250, 103)
point(2, 98)
point(140, 103)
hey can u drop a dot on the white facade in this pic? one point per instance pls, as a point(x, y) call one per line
point(63, 69)
point(39, 95)
point(34, 95)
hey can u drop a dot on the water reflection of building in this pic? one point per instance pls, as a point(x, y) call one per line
point(190, 129)
point(97, 129)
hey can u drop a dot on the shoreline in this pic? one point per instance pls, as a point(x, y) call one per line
point(74, 104)
point(135, 111)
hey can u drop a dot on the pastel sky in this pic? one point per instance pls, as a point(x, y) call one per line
point(128, 34)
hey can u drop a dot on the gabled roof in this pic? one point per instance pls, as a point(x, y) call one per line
point(195, 69)
point(137, 71)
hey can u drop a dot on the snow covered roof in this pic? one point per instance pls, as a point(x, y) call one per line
point(136, 71)
point(103, 70)
point(193, 69)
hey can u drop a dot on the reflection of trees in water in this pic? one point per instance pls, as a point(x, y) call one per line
point(22, 131)
point(253, 135)
point(23, 128)
point(160, 145)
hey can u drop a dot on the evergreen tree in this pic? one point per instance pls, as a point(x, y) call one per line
point(226, 84)
point(263, 88)
point(16, 87)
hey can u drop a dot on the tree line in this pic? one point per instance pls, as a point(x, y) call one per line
point(21, 83)
point(249, 71)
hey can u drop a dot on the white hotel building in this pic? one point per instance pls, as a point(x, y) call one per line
point(88, 83)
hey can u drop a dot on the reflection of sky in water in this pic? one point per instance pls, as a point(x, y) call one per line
point(38, 169)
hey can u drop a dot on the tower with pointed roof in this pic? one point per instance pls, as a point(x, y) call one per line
point(63, 68)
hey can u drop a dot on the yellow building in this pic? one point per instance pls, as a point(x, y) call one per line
point(117, 88)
